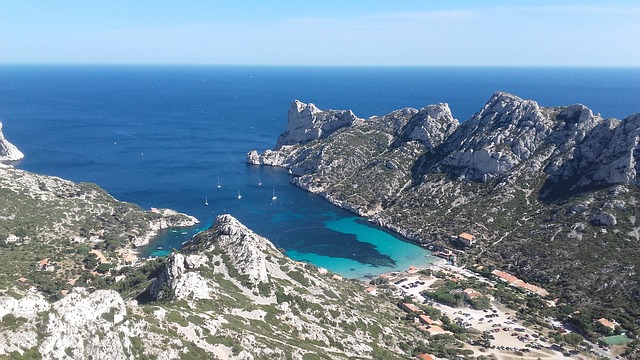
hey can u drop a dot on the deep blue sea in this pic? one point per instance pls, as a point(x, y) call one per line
point(160, 136)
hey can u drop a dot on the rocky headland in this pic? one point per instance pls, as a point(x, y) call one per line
point(228, 294)
point(8, 151)
point(550, 193)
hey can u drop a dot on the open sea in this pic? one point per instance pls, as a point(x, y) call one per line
point(161, 136)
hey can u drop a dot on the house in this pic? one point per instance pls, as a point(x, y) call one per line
point(322, 271)
point(336, 277)
point(371, 290)
point(437, 330)
point(425, 319)
point(412, 269)
point(43, 264)
point(425, 357)
point(471, 293)
point(607, 323)
point(466, 239)
point(410, 308)
point(23, 280)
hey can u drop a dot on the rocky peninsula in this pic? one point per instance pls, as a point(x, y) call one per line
point(549, 193)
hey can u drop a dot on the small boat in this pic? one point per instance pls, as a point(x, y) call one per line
point(239, 196)
point(206, 202)
point(219, 186)
point(273, 196)
point(174, 231)
point(159, 248)
point(290, 172)
point(184, 233)
point(259, 182)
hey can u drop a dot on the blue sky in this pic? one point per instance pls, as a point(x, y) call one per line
point(375, 32)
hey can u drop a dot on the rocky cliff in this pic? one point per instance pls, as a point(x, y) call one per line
point(548, 191)
point(54, 223)
point(8, 151)
point(306, 122)
point(229, 294)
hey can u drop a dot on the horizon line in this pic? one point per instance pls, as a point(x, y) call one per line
point(318, 65)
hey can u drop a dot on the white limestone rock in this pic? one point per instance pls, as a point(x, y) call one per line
point(26, 307)
point(431, 125)
point(8, 151)
point(83, 323)
point(184, 284)
point(306, 123)
point(506, 132)
point(247, 251)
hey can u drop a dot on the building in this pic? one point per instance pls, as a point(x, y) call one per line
point(425, 357)
point(410, 308)
point(425, 319)
point(466, 239)
point(371, 290)
point(471, 293)
point(437, 330)
point(607, 323)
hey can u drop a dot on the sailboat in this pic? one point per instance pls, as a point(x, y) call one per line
point(219, 186)
point(239, 196)
point(259, 182)
point(206, 201)
point(273, 196)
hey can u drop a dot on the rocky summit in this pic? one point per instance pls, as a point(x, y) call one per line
point(548, 193)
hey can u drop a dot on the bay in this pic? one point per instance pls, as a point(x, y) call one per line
point(160, 136)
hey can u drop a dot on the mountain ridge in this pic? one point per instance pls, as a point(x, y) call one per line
point(532, 183)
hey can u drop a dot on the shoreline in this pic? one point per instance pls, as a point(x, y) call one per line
point(404, 233)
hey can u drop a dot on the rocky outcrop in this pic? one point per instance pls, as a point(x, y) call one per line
point(520, 174)
point(181, 283)
point(8, 151)
point(431, 125)
point(83, 324)
point(306, 123)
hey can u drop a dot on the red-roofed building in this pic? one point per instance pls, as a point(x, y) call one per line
point(410, 308)
point(466, 239)
point(471, 293)
point(425, 357)
point(607, 323)
point(437, 330)
point(426, 320)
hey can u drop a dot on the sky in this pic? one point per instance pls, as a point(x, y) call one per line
point(328, 32)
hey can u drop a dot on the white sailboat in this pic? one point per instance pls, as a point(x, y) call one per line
point(239, 196)
point(273, 196)
point(206, 201)
point(219, 186)
point(259, 182)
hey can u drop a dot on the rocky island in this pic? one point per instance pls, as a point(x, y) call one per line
point(549, 194)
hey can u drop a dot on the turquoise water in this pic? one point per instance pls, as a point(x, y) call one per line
point(399, 254)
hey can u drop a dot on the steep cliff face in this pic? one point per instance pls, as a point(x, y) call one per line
point(306, 123)
point(531, 182)
point(8, 151)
